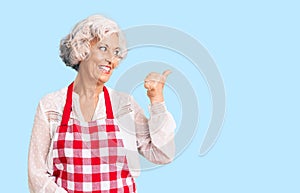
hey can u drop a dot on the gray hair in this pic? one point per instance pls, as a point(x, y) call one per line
point(75, 47)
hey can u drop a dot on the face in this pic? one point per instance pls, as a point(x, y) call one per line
point(104, 56)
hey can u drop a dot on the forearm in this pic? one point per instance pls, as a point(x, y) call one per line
point(156, 135)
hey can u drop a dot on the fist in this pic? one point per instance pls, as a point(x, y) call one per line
point(154, 83)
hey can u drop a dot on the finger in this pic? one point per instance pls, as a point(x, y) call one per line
point(150, 86)
point(166, 73)
point(153, 76)
point(147, 85)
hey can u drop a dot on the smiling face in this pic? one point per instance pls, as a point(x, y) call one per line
point(104, 56)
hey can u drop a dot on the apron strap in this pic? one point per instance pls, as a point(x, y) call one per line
point(68, 106)
point(109, 112)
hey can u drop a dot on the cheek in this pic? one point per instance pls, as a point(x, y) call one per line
point(96, 56)
point(115, 63)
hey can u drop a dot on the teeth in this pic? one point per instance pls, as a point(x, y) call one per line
point(107, 69)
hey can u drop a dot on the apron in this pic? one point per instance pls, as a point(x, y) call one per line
point(89, 157)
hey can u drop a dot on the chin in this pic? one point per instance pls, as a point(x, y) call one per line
point(103, 79)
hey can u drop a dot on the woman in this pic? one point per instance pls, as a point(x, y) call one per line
point(86, 137)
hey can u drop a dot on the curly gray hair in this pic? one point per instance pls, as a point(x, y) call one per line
point(75, 47)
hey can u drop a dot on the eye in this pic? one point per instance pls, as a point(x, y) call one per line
point(117, 52)
point(103, 48)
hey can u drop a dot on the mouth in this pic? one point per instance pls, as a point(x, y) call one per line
point(104, 69)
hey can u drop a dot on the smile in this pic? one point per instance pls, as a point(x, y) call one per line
point(105, 68)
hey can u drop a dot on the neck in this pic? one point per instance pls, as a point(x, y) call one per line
point(86, 87)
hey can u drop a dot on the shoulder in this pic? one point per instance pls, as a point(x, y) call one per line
point(118, 94)
point(120, 99)
point(54, 101)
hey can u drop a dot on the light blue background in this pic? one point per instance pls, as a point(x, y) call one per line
point(255, 45)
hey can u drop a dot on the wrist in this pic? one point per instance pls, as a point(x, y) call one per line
point(154, 100)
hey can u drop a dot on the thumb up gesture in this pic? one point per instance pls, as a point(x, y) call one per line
point(154, 83)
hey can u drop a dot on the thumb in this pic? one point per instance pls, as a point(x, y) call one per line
point(166, 73)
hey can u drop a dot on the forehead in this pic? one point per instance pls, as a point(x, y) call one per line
point(112, 40)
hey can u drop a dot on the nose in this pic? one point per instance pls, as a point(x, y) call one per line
point(108, 61)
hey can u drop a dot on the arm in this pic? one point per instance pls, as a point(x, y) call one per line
point(155, 137)
point(39, 179)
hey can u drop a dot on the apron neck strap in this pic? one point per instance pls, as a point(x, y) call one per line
point(68, 105)
point(109, 112)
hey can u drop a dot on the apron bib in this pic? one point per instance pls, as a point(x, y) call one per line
point(89, 157)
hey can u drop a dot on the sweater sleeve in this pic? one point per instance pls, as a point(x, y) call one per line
point(155, 136)
point(39, 178)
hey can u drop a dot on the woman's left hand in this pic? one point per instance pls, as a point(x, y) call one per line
point(154, 83)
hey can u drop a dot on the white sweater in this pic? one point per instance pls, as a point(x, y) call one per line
point(153, 138)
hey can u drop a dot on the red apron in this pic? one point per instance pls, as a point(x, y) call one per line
point(89, 157)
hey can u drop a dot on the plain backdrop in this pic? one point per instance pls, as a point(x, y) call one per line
point(255, 45)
